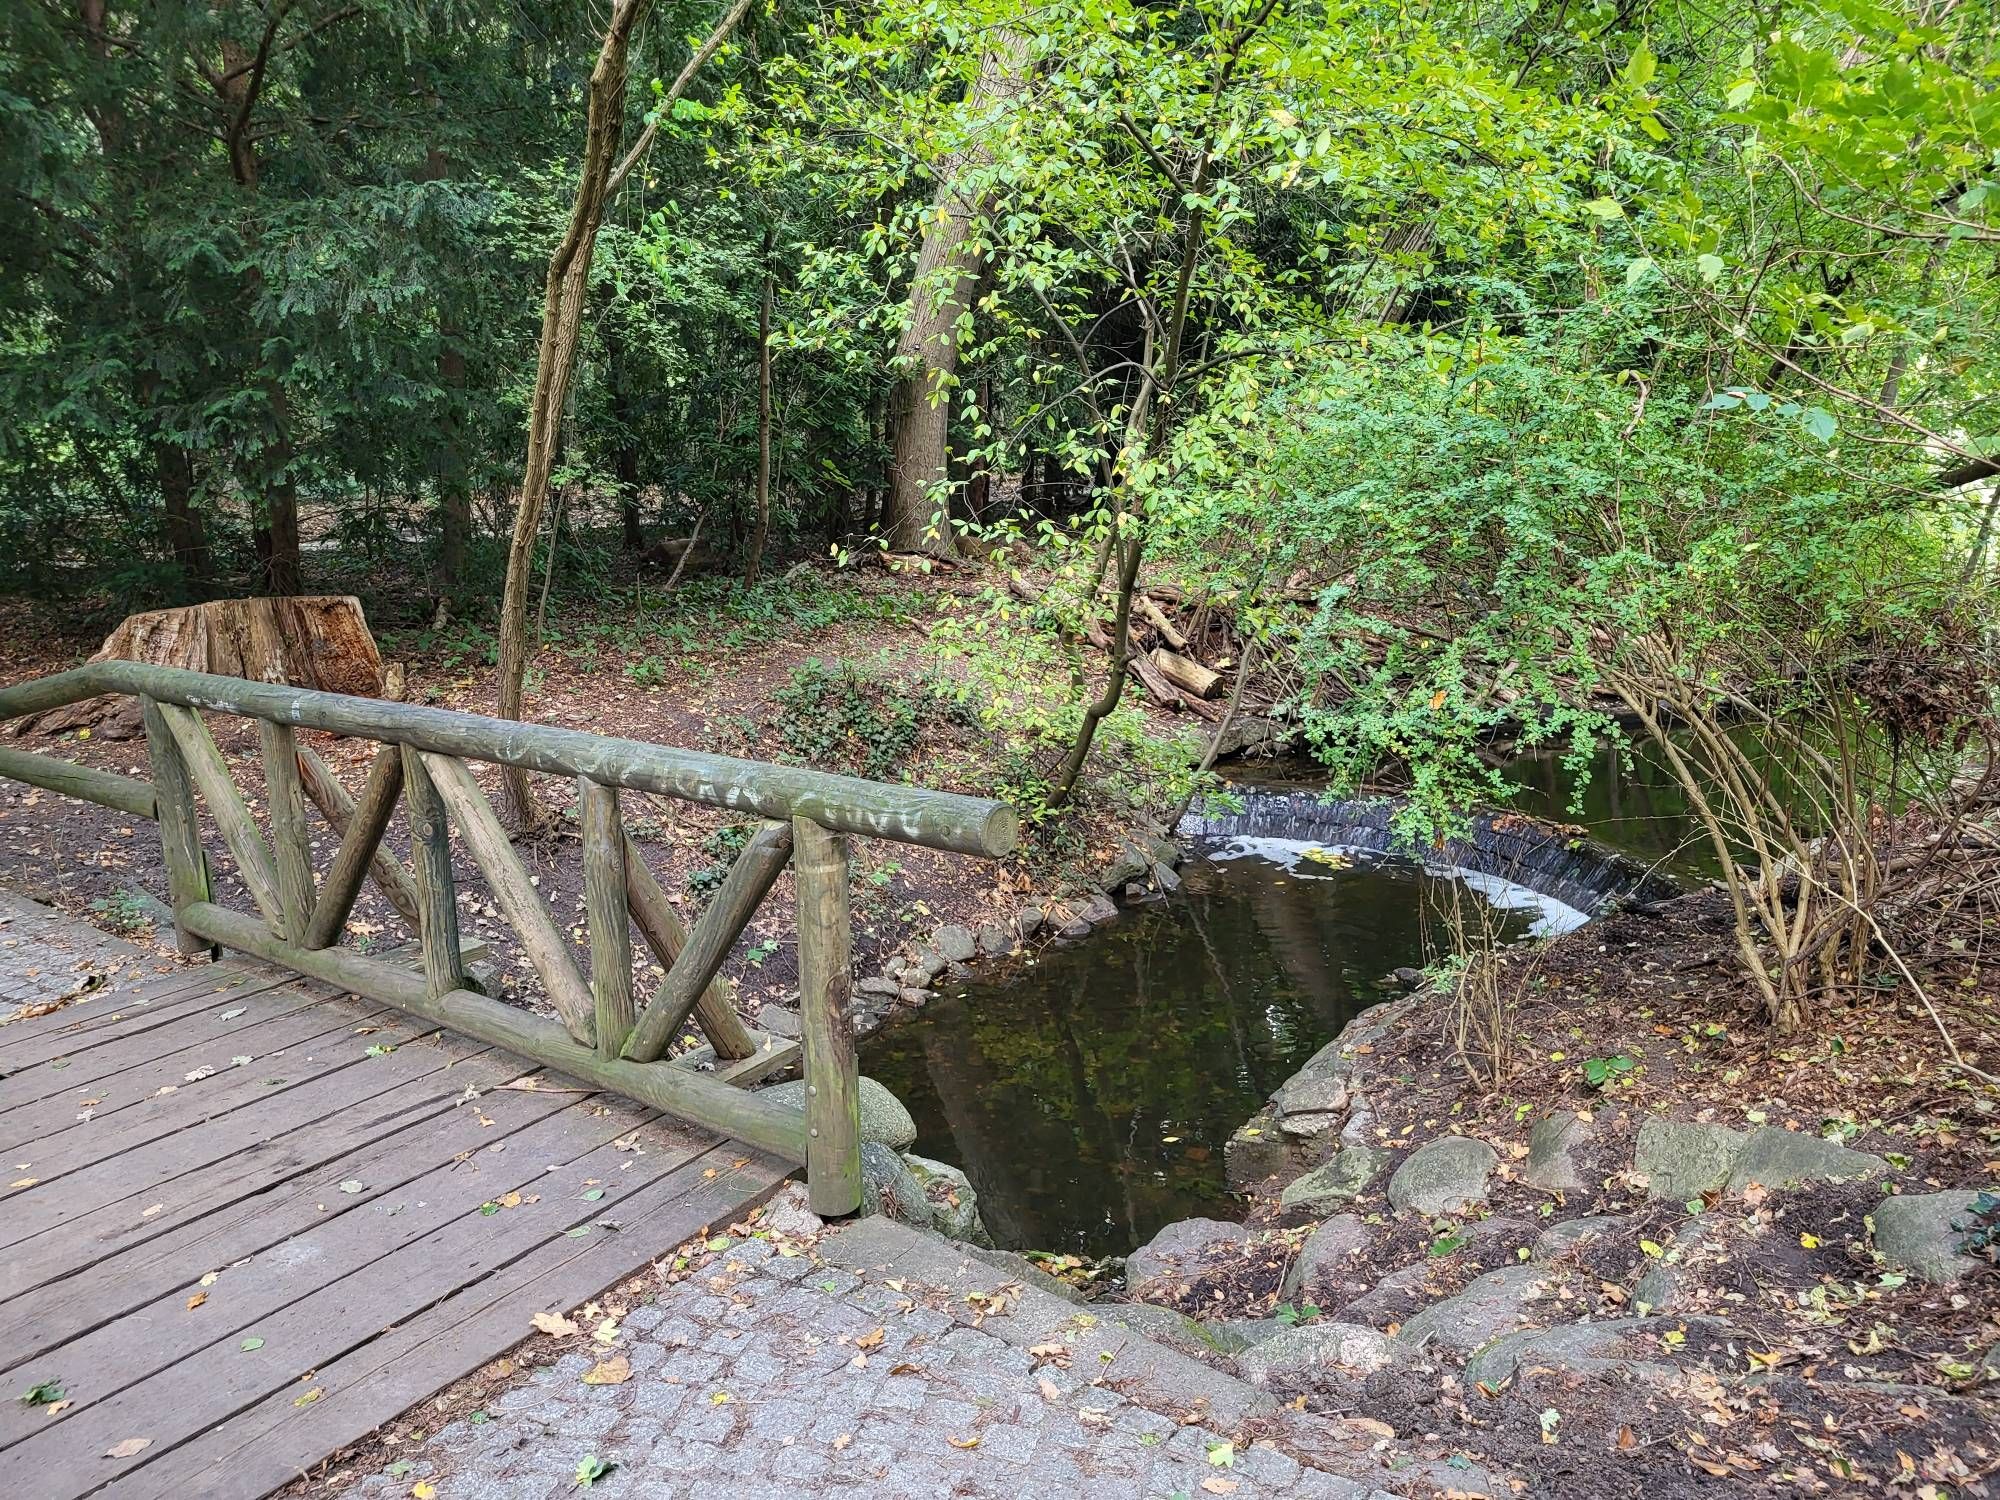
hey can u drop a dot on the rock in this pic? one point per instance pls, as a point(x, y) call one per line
point(778, 1021)
point(1311, 1347)
point(1989, 1364)
point(1241, 1333)
point(883, 1118)
point(1444, 1175)
point(1786, 1158)
point(880, 984)
point(1490, 1306)
point(1656, 1291)
point(1558, 1239)
point(954, 1205)
point(1256, 1150)
point(1165, 878)
point(1919, 1232)
point(915, 998)
point(993, 940)
point(1552, 1145)
point(1325, 1254)
point(1683, 1161)
point(1308, 1127)
point(1498, 1240)
point(1306, 1094)
point(1360, 1127)
point(1099, 910)
point(1074, 928)
point(1175, 1330)
point(789, 1213)
point(1579, 1348)
point(1029, 919)
point(1026, 1271)
point(1344, 1175)
point(1394, 1298)
point(956, 943)
point(925, 967)
point(1408, 978)
point(888, 1183)
point(1179, 1249)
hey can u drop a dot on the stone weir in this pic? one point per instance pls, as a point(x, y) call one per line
point(1547, 858)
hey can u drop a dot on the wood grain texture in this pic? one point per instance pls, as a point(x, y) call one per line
point(437, 899)
point(666, 934)
point(126, 794)
point(361, 826)
point(543, 941)
point(291, 855)
point(607, 909)
point(180, 830)
point(210, 774)
point(826, 1026)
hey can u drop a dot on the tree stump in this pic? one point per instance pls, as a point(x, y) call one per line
point(309, 641)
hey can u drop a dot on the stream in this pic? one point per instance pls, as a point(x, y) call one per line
point(1087, 1093)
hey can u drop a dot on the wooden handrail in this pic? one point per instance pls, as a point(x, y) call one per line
point(846, 804)
point(604, 1039)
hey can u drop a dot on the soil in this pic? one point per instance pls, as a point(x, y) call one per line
point(1834, 1374)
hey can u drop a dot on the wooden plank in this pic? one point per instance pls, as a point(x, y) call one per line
point(437, 900)
point(132, 1182)
point(826, 1027)
point(180, 830)
point(361, 852)
point(210, 774)
point(914, 815)
point(749, 880)
point(126, 794)
point(548, 1160)
point(124, 1000)
point(541, 939)
point(274, 1440)
point(768, 1055)
point(342, 1041)
point(113, 1051)
point(85, 1239)
point(689, 1096)
point(666, 934)
point(392, 878)
point(286, 808)
point(162, 1085)
point(221, 1234)
point(605, 906)
point(68, 1455)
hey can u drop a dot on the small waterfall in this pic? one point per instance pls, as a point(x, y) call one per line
point(1505, 847)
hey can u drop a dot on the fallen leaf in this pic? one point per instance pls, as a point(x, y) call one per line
point(24, 1182)
point(613, 1371)
point(309, 1397)
point(1220, 1486)
point(196, 1300)
point(57, 1408)
point(870, 1339)
point(352, 1185)
point(251, 1345)
point(423, 1489)
point(211, 1278)
point(153, 1210)
point(840, 1443)
point(127, 1448)
point(554, 1324)
point(964, 1442)
point(1222, 1455)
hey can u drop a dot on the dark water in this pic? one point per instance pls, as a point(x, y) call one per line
point(1088, 1096)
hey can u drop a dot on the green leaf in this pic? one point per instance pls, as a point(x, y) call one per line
point(47, 1393)
point(1640, 70)
point(592, 1469)
point(1741, 94)
point(1604, 208)
point(593, 1194)
point(1819, 423)
point(251, 1345)
point(1638, 271)
point(1711, 268)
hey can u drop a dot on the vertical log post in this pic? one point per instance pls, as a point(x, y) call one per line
point(290, 854)
point(826, 977)
point(604, 904)
point(360, 848)
point(437, 900)
point(180, 833)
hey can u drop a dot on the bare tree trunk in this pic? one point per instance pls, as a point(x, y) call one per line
point(948, 271)
point(761, 532)
point(186, 538)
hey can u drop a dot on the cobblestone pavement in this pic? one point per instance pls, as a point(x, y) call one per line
point(775, 1374)
point(46, 956)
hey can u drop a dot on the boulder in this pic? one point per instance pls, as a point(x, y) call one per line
point(1343, 1176)
point(1024, 1270)
point(1099, 909)
point(879, 984)
point(1165, 878)
point(1559, 1239)
point(1683, 1161)
point(1921, 1233)
point(993, 940)
point(789, 1213)
point(1256, 1150)
point(1308, 1348)
point(1180, 1249)
point(883, 1118)
point(1177, 1331)
point(913, 997)
point(956, 943)
point(1490, 1306)
point(1785, 1158)
point(954, 1205)
point(1575, 1348)
point(778, 1021)
point(1326, 1253)
point(1393, 1298)
point(888, 1184)
point(1029, 919)
point(1311, 1094)
point(1444, 1176)
point(1552, 1147)
point(1498, 1240)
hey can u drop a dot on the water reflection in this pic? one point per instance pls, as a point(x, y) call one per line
point(1088, 1096)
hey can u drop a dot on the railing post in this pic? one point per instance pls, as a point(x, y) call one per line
point(437, 901)
point(180, 833)
point(604, 906)
point(291, 857)
point(826, 1027)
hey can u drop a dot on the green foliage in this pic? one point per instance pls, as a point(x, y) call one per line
point(840, 716)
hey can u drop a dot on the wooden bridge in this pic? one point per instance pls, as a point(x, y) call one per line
point(258, 1207)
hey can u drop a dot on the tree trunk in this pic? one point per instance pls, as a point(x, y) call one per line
point(761, 532)
point(948, 270)
point(186, 538)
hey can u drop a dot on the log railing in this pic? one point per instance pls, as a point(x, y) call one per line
point(604, 1036)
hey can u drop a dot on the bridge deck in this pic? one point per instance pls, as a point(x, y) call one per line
point(246, 1219)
